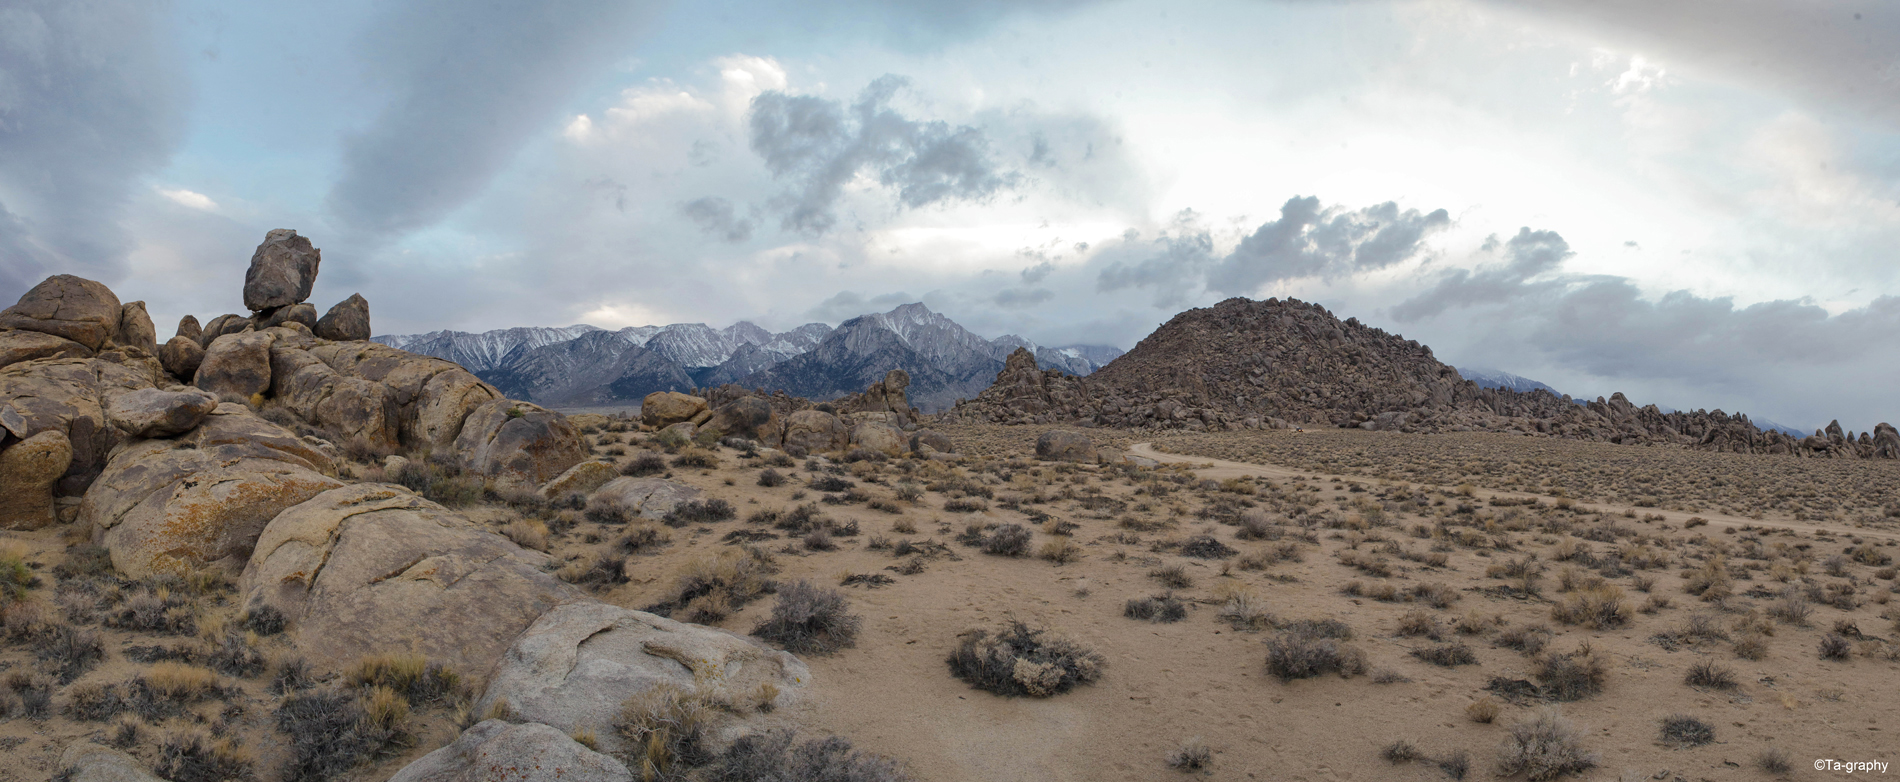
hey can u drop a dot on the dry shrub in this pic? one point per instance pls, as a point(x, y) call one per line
point(772, 756)
point(1021, 660)
point(1192, 755)
point(192, 757)
point(1447, 655)
point(1571, 676)
point(710, 588)
point(1685, 731)
point(1299, 653)
point(1599, 608)
point(1544, 747)
point(1483, 710)
point(1752, 646)
point(1529, 639)
point(1172, 576)
point(809, 619)
point(1008, 540)
point(1243, 611)
point(1707, 674)
point(668, 728)
point(1835, 646)
point(1160, 609)
point(527, 533)
point(1061, 551)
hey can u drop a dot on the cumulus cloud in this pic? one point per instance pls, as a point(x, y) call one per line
point(467, 86)
point(1526, 255)
point(819, 146)
point(92, 98)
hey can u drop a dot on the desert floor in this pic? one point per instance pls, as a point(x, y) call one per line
point(1471, 549)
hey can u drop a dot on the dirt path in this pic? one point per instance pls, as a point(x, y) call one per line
point(1221, 468)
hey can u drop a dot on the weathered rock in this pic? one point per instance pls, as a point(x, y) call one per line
point(815, 431)
point(575, 666)
point(349, 408)
point(189, 329)
point(584, 477)
point(181, 357)
point(28, 470)
point(348, 320)
point(304, 314)
point(885, 396)
point(662, 409)
point(937, 441)
point(518, 441)
point(282, 271)
point(174, 506)
point(879, 436)
point(150, 412)
point(1061, 446)
point(1886, 444)
point(65, 306)
point(684, 430)
point(17, 346)
point(222, 325)
point(749, 417)
point(236, 365)
point(136, 329)
point(84, 761)
point(498, 751)
point(434, 396)
point(69, 396)
point(650, 498)
point(355, 568)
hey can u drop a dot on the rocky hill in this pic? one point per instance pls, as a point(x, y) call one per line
point(1245, 364)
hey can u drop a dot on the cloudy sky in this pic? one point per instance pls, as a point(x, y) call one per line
point(1697, 204)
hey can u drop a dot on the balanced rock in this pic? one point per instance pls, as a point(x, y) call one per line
point(662, 409)
point(355, 568)
point(236, 365)
point(584, 477)
point(182, 356)
point(574, 667)
point(283, 269)
point(499, 751)
point(85, 761)
point(650, 498)
point(177, 505)
point(1061, 446)
point(17, 346)
point(518, 441)
point(62, 305)
point(136, 329)
point(28, 470)
point(348, 320)
point(150, 412)
point(816, 431)
point(189, 329)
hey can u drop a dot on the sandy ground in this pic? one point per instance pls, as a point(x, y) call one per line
point(1165, 684)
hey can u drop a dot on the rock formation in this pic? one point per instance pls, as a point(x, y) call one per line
point(347, 321)
point(70, 307)
point(283, 270)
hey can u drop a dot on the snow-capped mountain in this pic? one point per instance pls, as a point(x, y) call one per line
point(1492, 378)
point(485, 351)
point(584, 365)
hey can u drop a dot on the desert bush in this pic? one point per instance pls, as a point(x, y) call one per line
point(1172, 576)
point(527, 533)
point(70, 651)
point(696, 458)
point(1192, 755)
point(191, 757)
point(1019, 660)
point(1401, 751)
point(1418, 623)
point(1061, 551)
point(411, 675)
point(1774, 761)
point(328, 733)
point(264, 619)
point(290, 675)
point(1683, 730)
point(769, 478)
point(647, 463)
point(1008, 540)
point(1544, 747)
point(1751, 646)
point(1447, 655)
point(965, 505)
point(1599, 608)
point(809, 619)
point(1298, 653)
point(1792, 609)
point(772, 756)
point(1435, 594)
point(236, 654)
point(1571, 676)
point(710, 588)
point(1162, 608)
point(1206, 547)
point(1483, 710)
point(1244, 612)
point(86, 560)
point(641, 537)
point(698, 512)
point(1835, 646)
point(1707, 674)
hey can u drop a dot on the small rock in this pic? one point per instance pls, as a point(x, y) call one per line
point(650, 498)
point(85, 761)
point(584, 477)
point(181, 357)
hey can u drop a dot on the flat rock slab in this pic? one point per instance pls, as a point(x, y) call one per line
point(497, 751)
point(649, 498)
point(151, 412)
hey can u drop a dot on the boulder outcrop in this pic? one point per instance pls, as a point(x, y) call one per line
point(347, 321)
point(70, 395)
point(355, 567)
point(17, 346)
point(815, 431)
point(28, 470)
point(151, 412)
point(69, 307)
point(574, 667)
point(1061, 446)
point(498, 751)
point(662, 409)
point(650, 498)
point(519, 442)
point(136, 330)
point(237, 366)
point(181, 357)
point(283, 269)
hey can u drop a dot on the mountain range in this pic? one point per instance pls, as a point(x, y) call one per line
point(583, 365)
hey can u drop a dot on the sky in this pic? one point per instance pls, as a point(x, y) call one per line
point(1696, 203)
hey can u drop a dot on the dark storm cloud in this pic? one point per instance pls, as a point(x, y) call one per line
point(819, 145)
point(1526, 255)
point(468, 84)
point(91, 100)
point(1308, 241)
point(716, 216)
point(846, 305)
